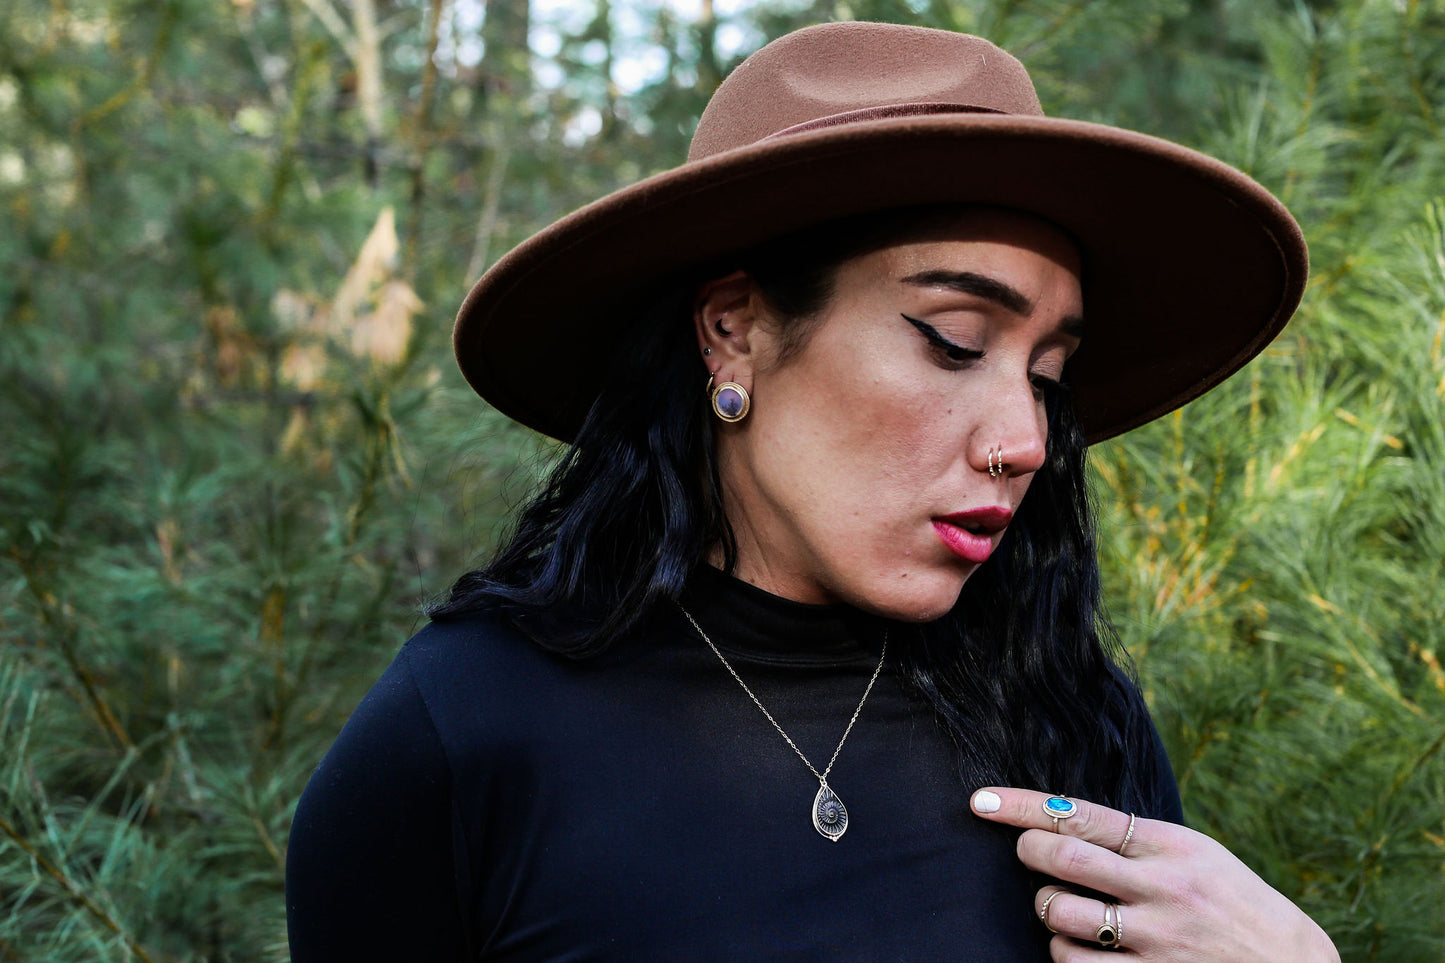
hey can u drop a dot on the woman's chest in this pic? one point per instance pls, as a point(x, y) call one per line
point(663, 822)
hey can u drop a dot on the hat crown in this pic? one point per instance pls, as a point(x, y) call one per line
point(834, 73)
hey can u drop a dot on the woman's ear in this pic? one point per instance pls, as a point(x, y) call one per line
point(725, 314)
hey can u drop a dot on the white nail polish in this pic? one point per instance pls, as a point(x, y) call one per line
point(986, 802)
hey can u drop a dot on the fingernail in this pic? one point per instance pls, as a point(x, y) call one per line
point(986, 802)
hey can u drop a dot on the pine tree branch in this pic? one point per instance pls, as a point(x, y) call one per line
point(144, 73)
point(1307, 109)
point(269, 843)
point(1406, 772)
point(1412, 67)
point(308, 65)
point(491, 205)
point(74, 892)
point(421, 132)
point(65, 639)
point(366, 56)
point(323, 10)
point(259, 56)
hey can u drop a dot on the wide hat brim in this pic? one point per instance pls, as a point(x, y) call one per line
point(1190, 266)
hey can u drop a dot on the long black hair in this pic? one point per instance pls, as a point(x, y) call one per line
point(1023, 673)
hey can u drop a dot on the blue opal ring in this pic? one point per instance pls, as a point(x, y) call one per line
point(1060, 807)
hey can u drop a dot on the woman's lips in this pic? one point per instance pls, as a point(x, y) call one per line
point(965, 544)
point(969, 535)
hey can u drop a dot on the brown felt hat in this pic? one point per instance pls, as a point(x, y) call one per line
point(1190, 267)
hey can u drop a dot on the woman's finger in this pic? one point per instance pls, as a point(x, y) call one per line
point(1088, 921)
point(1064, 949)
point(1044, 905)
point(1074, 861)
point(1088, 821)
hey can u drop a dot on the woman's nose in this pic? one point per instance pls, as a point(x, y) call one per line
point(1015, 441)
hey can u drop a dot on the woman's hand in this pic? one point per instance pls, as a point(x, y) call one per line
point(1179, 895)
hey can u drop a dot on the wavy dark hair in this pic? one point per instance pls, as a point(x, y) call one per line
point(1023, 673)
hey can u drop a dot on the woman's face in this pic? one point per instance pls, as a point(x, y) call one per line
point(861, 472)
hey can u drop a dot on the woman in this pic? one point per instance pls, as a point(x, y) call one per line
point(779, 669)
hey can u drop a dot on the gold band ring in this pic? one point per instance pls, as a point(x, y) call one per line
point(1129, 835)
point(1044, 910)
point(1111, 931)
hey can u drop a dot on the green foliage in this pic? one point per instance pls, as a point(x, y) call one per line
point(1274, 551)
point(236, 455)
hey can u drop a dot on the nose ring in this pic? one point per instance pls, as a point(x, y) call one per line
point(995, 462)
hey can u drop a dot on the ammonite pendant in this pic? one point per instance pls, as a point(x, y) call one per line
point(829, 816)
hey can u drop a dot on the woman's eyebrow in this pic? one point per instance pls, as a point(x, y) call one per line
point(979, 285)
point(990, 289)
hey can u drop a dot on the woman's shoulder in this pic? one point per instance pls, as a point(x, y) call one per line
point(444, 667)
point(475, 661)
point(459, 692)
point(485, 683)
point(473, 646)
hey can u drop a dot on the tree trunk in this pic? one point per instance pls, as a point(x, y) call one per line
point(506, 61)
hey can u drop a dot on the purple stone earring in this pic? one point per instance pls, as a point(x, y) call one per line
point(730, 401)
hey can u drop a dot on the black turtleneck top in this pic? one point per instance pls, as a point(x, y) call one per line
point(488, 800)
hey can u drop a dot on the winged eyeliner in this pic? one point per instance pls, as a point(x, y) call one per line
point(955, 352)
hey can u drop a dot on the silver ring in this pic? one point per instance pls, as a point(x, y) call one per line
point(1129, 835)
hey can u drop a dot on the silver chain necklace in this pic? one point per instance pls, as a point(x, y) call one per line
point(829, 816)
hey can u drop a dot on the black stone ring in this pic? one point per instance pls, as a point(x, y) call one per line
point(1111, 931)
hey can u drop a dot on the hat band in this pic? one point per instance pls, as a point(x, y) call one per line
point(881, 113)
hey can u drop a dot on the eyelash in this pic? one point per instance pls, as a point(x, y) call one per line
point(955, 357)
point(1045, 389)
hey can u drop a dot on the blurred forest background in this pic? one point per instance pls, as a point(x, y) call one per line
point(236, 457)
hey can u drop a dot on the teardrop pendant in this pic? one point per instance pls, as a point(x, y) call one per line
point(829, 816)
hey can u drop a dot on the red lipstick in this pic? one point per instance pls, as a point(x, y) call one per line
point(970, 534)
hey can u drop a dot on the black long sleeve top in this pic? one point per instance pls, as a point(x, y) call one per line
point(490, 801)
